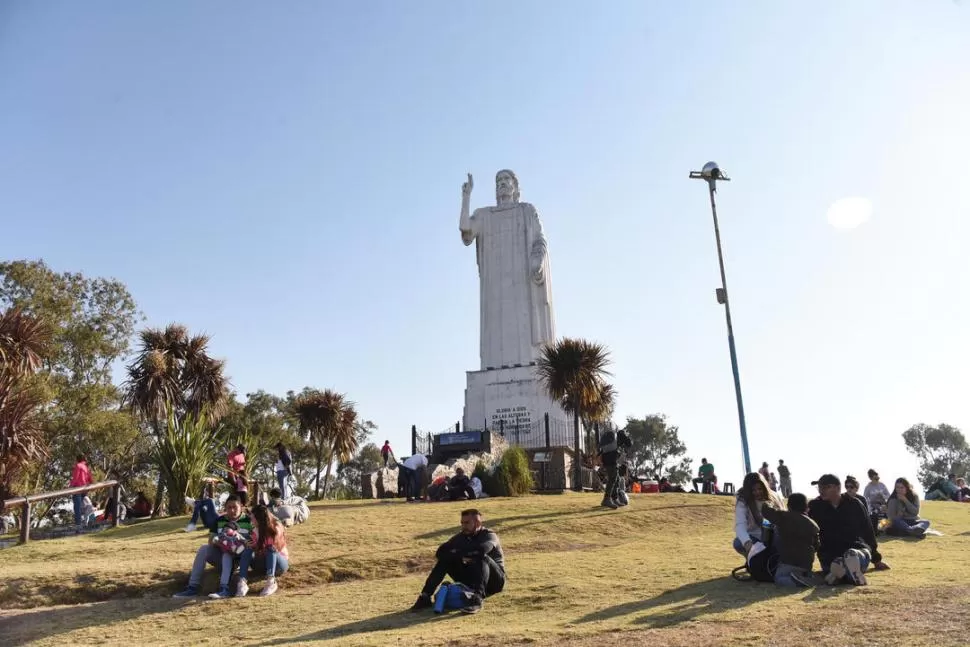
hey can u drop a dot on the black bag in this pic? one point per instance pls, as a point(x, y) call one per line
point(760, 568)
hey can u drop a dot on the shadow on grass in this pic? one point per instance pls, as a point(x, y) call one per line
point(142, 528)
point(386, 622)
point(46, 623)
point(688, 602)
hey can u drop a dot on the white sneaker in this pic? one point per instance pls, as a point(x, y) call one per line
point(836, 572)
point(270, 588)
point(189, 501)
point(190, 528)
point(242, 589)
point(854, 567)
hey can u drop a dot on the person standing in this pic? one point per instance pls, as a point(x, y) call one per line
point(236, 462)
point(80, 476)
point(386, 451)
point(414, 469)
point(785, 475)
point(283, 463)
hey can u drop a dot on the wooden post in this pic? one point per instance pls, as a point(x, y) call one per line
point(25, 523)
point(116, 497)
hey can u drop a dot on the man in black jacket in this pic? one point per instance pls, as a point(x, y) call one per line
point(460, 487)
point(474, 558)
point(847, 544)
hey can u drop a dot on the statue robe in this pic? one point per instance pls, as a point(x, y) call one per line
point(516, 309)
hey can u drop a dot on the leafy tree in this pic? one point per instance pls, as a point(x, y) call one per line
point(366, 460)
point(657, 448)
point(329, 422)
point(573, 372)
point(258, 424)
point(91, 321)
point(24, 340)
point(172, 375)
point(941, 450)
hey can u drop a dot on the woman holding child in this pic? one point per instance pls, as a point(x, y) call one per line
point(748, 519)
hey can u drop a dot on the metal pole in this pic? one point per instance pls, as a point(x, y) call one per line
point(730, 330)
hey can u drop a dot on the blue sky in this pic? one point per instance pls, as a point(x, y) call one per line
point(288, 179)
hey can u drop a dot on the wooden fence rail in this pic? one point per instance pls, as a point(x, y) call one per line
point(26, 503)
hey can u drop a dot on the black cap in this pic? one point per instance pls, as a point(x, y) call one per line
point(827, 479)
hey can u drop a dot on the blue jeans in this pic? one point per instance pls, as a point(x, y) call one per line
point(904, 527)
point(205, 509)
point(78, 500)
point(275, 563)
point(281, 480)
point(210, 554)
point(783, 575)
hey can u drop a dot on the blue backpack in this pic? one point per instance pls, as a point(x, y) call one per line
point(451, 596)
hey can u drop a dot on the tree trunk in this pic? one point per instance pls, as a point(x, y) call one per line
point(159, 495)
point(319, 469)
point(578, 472)
point(326, 479)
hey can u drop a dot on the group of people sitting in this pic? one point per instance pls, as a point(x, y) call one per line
point(839, 528)
point(952, 488)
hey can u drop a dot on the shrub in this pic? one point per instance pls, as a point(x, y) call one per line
point(513, 476)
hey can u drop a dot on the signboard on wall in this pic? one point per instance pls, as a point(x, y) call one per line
point(463, 438)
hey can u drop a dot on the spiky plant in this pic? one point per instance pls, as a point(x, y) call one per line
point(24, 340)
point(573, 372)
point(185, 453)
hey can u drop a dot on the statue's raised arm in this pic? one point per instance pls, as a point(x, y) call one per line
point(465, 221)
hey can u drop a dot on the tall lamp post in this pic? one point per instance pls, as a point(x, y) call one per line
point(711, 173)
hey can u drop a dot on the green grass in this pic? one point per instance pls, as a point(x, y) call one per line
point(657, 572)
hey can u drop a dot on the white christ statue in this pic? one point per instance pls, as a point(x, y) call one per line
point(513, 274)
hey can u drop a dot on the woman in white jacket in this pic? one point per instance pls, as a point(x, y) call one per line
point(876, 493)
point(753, 494)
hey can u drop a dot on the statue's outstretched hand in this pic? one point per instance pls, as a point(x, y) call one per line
point(466, 188)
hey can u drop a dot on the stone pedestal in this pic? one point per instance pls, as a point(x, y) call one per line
point(512, 401)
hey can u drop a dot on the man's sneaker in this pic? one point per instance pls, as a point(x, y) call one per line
point(881, 566)
point(242, 588)
point(221, 594)
point(190, 592)
point(189, 501)
point(854, 567)
point(917, 531)
point(473, 605)
point(609, 503)
point(423, 602)
point(836, 572)
point(803, 579)
point(270, 588)
point(190, 528)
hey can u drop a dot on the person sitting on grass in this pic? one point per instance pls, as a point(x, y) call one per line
point(459, 487)
point(963, 495)
point(847, 544)
point(268, 550)
point(141, 508)
point(705, 475)
point(203, 508)
point(852, 487)
point(903, 512)
point(798, 536)
point(752, 497)
point(474, 558)
point(291, 510)
point(212, 554)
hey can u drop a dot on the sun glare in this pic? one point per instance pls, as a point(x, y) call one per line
point(849, 213)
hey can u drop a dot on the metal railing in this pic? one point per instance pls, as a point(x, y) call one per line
point(26, 503)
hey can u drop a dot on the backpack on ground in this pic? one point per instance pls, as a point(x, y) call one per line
point(759, 568)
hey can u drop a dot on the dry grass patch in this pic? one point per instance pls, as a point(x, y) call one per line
point(657, 572)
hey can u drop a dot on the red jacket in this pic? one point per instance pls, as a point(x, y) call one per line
point(81, 475)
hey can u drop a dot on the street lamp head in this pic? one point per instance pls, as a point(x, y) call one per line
point(711, 171)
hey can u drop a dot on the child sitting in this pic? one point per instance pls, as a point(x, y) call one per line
point(213, 554)
point(798, 538)
point(270, 547)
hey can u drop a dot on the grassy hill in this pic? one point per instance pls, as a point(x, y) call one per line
point(657, 572)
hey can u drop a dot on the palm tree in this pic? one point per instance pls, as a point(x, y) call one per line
point(172, 372)
point(601, 409)
point(24, 341)
point(329, 421)
point(573, 372)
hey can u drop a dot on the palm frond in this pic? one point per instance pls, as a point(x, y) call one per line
point(24, 340)
point(573, 372)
